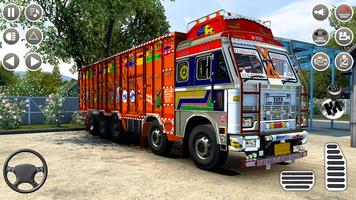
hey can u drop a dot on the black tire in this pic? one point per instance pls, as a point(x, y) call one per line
point(116, 132)
point(103, 126)
point(93, 125)
point(157, 140)
point(204, 150)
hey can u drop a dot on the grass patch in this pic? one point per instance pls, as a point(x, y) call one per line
point(44, 126)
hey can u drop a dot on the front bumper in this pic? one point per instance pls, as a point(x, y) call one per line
point(259, 162)
point(238, 142)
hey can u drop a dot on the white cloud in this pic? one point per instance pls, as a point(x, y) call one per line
point(295, 21)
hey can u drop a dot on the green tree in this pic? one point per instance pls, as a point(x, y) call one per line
point(6, 77)
point(323, 79)
point(336, 24)
point(54, 80)
point(87, 30)
point(34, 83)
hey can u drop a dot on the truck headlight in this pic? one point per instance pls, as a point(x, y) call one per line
point(251, 143)
point(247, 143)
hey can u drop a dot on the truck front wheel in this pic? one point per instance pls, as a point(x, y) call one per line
point(204, 149)
point(157, 140)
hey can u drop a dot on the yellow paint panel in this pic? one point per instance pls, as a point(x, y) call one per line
point(189, 95)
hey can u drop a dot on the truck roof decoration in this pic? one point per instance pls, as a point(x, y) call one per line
point(239, 26)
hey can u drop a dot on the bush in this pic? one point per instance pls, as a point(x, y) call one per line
point(53, 110)
point(10, 112)
point(77, 119)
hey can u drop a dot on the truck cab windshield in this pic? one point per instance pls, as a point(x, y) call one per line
point(282, 66)
point(249, 63)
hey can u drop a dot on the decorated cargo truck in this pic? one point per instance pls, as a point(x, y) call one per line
point(225, 85)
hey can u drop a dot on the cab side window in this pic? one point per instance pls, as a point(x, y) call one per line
point(222, 73)
point(204, 68)
point(182, 71)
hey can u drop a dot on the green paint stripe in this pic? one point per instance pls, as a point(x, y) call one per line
point(197, 108)
point(149, 59)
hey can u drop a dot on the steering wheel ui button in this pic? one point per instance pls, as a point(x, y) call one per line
point(25, 172)
point(34, 36)
point(10, 61)
point(344, 61)
point(11, 12)
point(320, 61)
point(320, 37)
point(33, 62)
point(11, 36)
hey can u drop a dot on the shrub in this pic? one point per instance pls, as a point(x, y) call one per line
point(77, 119)
point(53, 110)
point(10, 112)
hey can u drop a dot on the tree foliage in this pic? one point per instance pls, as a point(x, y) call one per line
point(6, 77)
point(88, 30)
point(336, 24)
point(323, 79)
point(34, 83)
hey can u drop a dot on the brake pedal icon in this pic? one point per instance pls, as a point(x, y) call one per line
point(297, 180)
point(335, 168)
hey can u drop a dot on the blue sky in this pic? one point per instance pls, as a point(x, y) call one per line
point(290, 18)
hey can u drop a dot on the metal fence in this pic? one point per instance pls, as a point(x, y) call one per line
point(33, 112)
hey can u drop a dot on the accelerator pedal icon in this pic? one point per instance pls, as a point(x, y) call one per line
point(335, 168)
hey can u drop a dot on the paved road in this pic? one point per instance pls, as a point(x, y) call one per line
point(83, 167)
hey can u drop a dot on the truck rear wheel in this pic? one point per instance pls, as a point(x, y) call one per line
point(103, 126)
point(116, 132)
point(93, 125)
point(204, 149)
point(158, 140)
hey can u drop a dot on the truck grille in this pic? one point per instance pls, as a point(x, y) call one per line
point(277, 107)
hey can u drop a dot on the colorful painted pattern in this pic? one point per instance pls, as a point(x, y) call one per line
point(194, 100)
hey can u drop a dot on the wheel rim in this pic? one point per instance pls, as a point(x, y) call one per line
point(156, 138)
point(203, 147)
point(91, 126)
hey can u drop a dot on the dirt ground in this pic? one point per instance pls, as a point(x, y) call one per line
point(85, 167)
